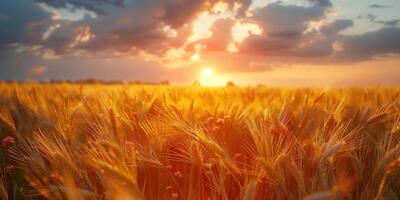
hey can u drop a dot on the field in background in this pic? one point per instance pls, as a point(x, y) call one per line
point(63, 141)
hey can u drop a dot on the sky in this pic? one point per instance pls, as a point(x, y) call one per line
point(291, 43)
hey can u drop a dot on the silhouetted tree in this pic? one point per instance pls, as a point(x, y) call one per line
point(196, 83)
point(230, 84)
point(165, 82)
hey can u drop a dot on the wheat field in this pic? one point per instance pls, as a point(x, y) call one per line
point(70, 141)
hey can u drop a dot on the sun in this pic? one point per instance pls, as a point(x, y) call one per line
point(210, 77)
point(207, 72)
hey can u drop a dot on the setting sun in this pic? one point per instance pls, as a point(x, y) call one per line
point(209, 77)
point(207, 72)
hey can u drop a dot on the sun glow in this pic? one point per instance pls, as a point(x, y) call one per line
point(208, 77)
point(207, 72)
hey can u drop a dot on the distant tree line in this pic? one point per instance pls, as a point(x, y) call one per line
point(88, 81)
point(102, 82)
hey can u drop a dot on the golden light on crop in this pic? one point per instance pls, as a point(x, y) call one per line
point(207, 72)
point(224, 120)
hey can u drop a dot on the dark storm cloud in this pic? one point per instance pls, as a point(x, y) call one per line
point(177, 13)
point(336, 27)
point(127, 26)
point(22, 25)
point(289, 20)
point(365, 46)
point(310, 45)
point(314, 47)
point(287, 33)
point(284, 28)
point(181, 7)
point(23, 22)
point(322, 3)
point(264, 44)
point(136, 26)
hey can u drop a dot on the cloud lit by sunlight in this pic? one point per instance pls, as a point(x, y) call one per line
point(242, 30)
point(205, 20)
point(37, 70)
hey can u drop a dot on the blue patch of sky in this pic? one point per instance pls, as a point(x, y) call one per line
point(355, 10)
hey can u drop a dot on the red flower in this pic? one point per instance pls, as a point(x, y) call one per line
point(220, 121)
point(8, 140)
point(178, 174)
point(10, 169)
point(237, 156)
point(168, 167)
point(168, 187)
point(209, 120)
point(279, 132)
point(216, 128)
point(175, 195)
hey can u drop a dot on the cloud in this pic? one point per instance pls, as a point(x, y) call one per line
point(288, 38)
point(155, 29)
point(265, 44)
point(90, 5)
point(389, 22)
point(23, 22)
point(281, 20)
point(37, 70)
point(16, 66)
point(370, 44)
point(285, 29)
point(336, 27)
point(379, 6)
point(221, 36)
point(373, 18)
point(136, 26)
point(326, 45)
point(322, 3)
